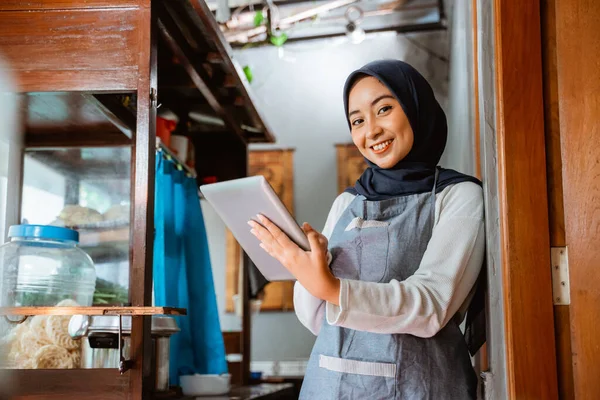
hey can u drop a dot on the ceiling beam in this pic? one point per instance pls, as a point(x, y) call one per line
point(425, 27)
point(202, 19)
point(177, 43)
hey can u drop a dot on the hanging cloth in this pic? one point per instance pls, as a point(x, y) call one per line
point(183, 275)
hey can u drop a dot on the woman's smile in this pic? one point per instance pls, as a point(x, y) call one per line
point(382, 147)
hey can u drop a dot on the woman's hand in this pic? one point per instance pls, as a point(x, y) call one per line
point(310, 268)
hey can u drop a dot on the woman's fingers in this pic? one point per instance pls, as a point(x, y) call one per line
point(277, 233)
point(263, 235)
point(315, 244)
point(307, 228)
point(266, 248)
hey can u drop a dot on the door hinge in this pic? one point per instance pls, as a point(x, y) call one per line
point(561, 292)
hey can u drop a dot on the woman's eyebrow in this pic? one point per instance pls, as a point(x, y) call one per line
point(377, 100)
point(385, 96)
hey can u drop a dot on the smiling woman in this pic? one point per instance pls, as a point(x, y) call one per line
point(404, 249)
point(380, 128)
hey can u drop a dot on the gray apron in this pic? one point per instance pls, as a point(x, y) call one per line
point(377, 241)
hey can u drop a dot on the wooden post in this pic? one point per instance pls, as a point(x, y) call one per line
point(246, 321)
point(578, 57)
point(555, 190)
point(524, 238)
point(143, 174)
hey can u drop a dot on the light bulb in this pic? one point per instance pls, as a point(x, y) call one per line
point(354, 33)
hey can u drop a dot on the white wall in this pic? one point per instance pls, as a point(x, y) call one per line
point(459, 150)
point(299, 91)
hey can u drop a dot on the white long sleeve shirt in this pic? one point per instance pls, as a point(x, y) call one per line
point(424, 303)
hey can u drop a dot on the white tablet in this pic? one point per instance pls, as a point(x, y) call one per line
point(239, 201)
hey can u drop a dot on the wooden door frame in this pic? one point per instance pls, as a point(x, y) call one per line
point(522, 353)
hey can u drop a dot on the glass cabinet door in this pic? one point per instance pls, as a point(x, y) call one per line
point(86, 189)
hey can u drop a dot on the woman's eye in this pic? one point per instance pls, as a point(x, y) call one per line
point(384, 109)
point(357, 122)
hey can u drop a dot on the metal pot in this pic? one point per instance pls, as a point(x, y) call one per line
point(100, 344)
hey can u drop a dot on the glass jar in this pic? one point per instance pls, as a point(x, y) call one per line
point(43, 266)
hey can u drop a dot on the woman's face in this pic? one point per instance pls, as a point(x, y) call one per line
point(379, 127)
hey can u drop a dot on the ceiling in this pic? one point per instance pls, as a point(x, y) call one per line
point(249, 22)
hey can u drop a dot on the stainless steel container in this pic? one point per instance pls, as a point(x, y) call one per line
point(100, 342)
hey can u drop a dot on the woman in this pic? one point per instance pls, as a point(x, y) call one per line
point(406, 246)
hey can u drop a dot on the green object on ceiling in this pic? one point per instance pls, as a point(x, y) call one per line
point(279, 40)
point(248, 73)
point(259, 18)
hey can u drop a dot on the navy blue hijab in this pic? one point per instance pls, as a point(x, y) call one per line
point(415, 173)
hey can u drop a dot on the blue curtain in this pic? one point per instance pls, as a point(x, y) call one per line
point(183, 274)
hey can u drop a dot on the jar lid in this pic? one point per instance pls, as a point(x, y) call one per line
point(43, 232)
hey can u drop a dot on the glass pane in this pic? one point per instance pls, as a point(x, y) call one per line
point(86, 189)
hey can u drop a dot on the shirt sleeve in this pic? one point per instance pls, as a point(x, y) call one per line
point(424, 303)
point(309, 309)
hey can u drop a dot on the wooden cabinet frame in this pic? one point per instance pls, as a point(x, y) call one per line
point(521, 342)
point(89, 52)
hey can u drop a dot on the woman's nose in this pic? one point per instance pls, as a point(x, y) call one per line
point(373, 129)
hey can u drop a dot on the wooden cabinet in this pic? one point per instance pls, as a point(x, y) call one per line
point(277, 166)
point(350, 165)
point(74, 63)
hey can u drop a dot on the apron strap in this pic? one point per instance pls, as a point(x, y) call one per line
point(437, 172)
point(432, 197)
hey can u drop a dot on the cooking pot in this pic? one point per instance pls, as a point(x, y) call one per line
point(100, 342)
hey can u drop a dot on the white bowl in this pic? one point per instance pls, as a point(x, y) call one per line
point(205, 385)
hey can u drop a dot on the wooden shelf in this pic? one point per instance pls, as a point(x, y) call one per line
point(29, 311)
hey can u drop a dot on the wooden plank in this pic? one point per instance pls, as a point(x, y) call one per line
point(564, 356)
point(233, 342)
point(235, 370)
point(233, 255)
point(552, 125)
point(562, 324)
point(578, 57)
point(528, 314)
point(98, 48)
point(16, 5)
point(142, 241)
point(82, 80)
point(92, 311)
point(68, 384)
point(246, 321)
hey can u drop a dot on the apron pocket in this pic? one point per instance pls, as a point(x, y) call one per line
point(362, 380)
point(373, 245)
